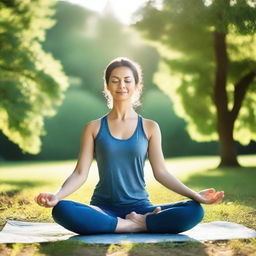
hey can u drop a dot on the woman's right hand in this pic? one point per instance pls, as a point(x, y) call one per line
point(46, 199)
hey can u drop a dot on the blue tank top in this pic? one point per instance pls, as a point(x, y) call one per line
point(121, 167)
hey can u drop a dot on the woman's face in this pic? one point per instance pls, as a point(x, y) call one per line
point(121, 83)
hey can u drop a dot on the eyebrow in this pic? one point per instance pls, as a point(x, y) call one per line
point(118, 77)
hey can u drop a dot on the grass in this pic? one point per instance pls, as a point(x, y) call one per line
point(21, 181)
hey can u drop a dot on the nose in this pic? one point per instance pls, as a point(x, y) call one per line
point(122, 83)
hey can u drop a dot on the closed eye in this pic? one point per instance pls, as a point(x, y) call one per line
point(115, 81)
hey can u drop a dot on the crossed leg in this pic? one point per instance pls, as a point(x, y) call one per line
point(172, 218)
point(83, 219)
point(165, 218)
point(89, 219)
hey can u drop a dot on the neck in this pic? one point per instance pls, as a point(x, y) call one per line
point(122, 111)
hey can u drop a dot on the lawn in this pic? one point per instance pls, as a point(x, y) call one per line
point(21, 181)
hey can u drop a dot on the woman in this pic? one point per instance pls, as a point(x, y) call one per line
point(121, 141)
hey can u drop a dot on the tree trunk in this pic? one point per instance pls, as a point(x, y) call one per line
point(228, 152)
point(225, 122)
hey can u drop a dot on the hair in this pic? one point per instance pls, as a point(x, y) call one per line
point(137, 73)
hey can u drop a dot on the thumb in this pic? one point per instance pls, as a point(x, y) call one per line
point(51, 202)
point(48, 202)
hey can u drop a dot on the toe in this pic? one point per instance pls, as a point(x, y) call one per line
point(129, 215)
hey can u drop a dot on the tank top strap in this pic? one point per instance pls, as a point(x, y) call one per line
point(140, 119)
point(141, 127)
point(103, 128)
point(104, 123)
point(103, 120)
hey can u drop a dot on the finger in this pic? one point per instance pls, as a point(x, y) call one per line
point(211, 190)
point(222, 194)
point(42, 199)
point(40, 196)
point(216, 196)
point(47, 203)
point(44, 196)
point(38, 199)
point(219, 198)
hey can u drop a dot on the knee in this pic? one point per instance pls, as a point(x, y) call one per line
point(192, 216)
point(59, 209)
point(197, 210)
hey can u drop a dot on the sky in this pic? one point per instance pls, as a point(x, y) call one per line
point(123, 8)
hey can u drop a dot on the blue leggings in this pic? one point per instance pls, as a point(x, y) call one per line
point(83, 219)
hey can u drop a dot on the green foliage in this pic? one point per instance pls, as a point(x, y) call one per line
point(182, 31)
point(32, 82)
point(65, 129)
point(175, 140)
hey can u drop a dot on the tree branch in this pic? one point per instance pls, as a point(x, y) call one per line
point(240, 90)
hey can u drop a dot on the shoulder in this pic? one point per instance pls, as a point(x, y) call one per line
point(151, 127)
point(93, 127)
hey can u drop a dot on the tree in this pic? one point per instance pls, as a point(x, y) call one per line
point(209, 66)
point(32, 82)
point(91, 41)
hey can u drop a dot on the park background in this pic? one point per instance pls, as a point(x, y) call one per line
point(84, 42)
point(198, 60)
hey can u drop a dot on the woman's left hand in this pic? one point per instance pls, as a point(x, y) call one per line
point(209, 196)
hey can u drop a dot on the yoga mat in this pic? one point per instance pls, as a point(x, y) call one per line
point(31, 232)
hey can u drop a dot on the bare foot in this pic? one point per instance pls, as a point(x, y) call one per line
point(133, 222)
point(140, 219)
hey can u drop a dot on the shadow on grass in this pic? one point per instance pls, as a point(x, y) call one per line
point(168, 248)
point(32, 163)
point(238, 183)
point(135, 249)
point(72, 248)
point(19, 186)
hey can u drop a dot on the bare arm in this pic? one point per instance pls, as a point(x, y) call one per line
point(81, 171)
point(164, 177)
point(79, 175)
